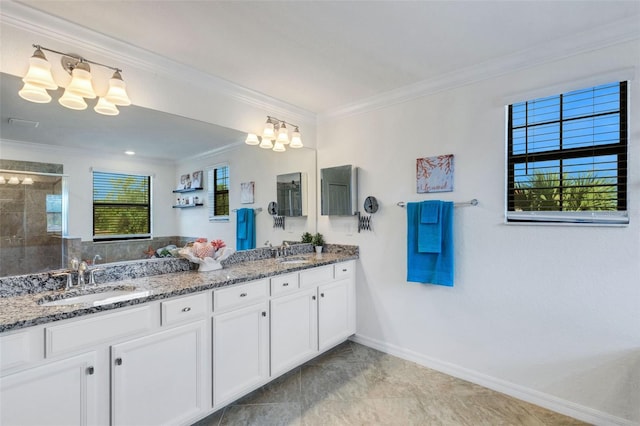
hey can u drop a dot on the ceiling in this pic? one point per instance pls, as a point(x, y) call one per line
point(320, 55)
point(316, 55)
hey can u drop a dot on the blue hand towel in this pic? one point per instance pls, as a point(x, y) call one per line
point(429, 227)
point(241, 226)
point(245, 230)
point(430, 268)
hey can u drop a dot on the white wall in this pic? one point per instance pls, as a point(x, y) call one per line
point(551, 314)
point(78, 165)
point(251, 164)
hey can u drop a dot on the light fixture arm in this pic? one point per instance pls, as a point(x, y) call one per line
point(78, 58)
point(277, 122)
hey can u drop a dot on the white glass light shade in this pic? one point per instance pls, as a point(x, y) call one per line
point(72, 101)
point(13, 180)
point(252, 139)
point(81, 83)
point(117, 93)
point(268, 131)
point(266, 143)
point(296, 140)
point(105, 107)
point(279, 147)
point(34, 94)
point(27, 181)
point(283, 135)
point(2, 181)
point(39, 73)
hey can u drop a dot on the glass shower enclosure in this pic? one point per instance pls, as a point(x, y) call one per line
point(33, 212)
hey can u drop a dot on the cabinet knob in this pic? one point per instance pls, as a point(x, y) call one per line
point(313, 297)
point(118, 361)
point(186, 309)
point(264, 313)
point(243, 294)
point(321, 294)
point(90, 371)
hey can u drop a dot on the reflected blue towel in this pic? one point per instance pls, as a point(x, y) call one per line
point(432, 268)
point(429, 227)
point(245, 230)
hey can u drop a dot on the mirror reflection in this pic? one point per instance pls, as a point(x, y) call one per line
point(292, 194)
point(339, 186)
point(31, 221)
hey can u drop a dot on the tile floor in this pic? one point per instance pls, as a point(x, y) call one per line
point(356, 385)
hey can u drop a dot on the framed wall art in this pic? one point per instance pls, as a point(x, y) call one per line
point(434, 174)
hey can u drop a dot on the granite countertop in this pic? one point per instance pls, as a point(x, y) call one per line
point(24, 311)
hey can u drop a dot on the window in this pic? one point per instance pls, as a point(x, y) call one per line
point(218, 192)
point(567, 157)
point(121, 206)
point(53, 204)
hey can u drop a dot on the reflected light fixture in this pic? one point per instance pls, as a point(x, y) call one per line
point(276, 135)
point(39, 79)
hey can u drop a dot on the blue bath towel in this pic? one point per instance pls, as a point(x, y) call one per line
point(245, 230)
point(430, 268)
point(429, 227)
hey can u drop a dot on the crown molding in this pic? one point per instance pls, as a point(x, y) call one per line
point(594, 39)
point(34, 21)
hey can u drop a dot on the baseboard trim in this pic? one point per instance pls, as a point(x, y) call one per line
point(532, 396)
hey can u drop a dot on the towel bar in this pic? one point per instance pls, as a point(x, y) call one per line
point(473, 202)
point(256, 210)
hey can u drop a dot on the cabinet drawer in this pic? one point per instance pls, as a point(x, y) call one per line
point(345, 269)
point(240, 295)
point(284, 284)
point(183, 309)
point(14, 350)
point(321, 274)
point(84, 333)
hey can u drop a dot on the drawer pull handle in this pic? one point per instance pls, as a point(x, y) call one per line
point(243, 294)
point(118, 361)
point(285, 284)
point(90, 371)
point(344, 270)
point(264, 313)
point(186, 309)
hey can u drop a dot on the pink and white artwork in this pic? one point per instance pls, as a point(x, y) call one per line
point(435, 174)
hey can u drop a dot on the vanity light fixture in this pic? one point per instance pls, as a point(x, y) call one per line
point(39, 79)
point(27, 181)
point(276, 135)
point(13, 180)
point(2, 181)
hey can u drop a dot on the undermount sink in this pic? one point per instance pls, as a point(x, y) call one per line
point(293, 260)
point(113, 295)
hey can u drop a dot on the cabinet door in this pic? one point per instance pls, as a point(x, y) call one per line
point(160, 379)
point(335, 302)
point(64, 393)
point(240, 351)
point(294, 330)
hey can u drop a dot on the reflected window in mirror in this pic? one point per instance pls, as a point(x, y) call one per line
point(53, 203)
point(121, 206)
point(218, 192)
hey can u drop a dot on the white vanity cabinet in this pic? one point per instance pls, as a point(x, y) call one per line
point(54, 393)
point(240, 340)
point(160, 379)
point(294, 330)
point(176, 360)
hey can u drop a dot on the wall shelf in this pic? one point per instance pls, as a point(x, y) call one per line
point(187, 190)
point(185, 206)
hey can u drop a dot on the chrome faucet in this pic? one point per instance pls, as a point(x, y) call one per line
point(92, 278)
point(81, 270)
point(96, 258)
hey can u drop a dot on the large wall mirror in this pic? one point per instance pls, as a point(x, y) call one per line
point(85, 129)
point(339, 186)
